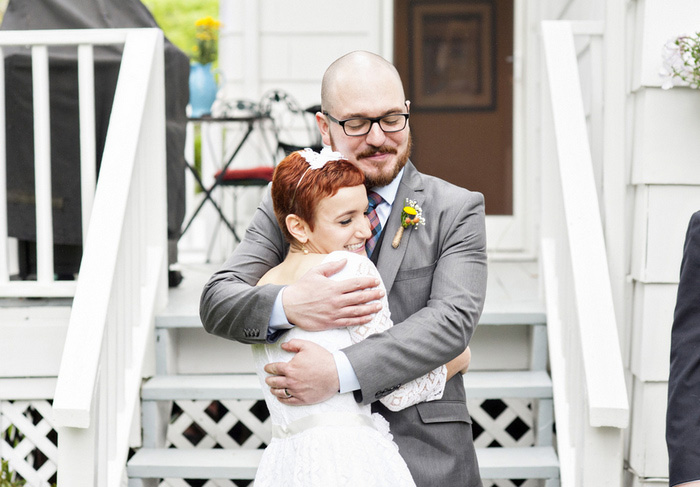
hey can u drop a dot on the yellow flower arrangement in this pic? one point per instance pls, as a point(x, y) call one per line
point(207, 38)
point(411, 215)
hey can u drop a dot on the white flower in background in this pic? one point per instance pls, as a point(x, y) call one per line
point(681, 62)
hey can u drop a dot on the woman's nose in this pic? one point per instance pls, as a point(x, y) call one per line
point(364, 230)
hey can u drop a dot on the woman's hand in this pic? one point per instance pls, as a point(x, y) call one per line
point(459, 364)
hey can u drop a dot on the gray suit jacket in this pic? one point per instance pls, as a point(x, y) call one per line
point(436, 283)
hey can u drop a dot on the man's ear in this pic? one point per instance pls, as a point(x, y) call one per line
point(324, 128)
point(297, 228)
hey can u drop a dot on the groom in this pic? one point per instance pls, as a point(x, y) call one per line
point(435, 279)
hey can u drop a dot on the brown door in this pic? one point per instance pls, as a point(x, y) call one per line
point(455, 58)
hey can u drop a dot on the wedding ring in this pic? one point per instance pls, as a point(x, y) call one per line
point(286, 393)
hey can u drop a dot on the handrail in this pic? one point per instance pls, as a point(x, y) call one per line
point(586, 361)
point(122, 279)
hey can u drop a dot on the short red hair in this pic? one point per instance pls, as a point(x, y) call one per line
point(294, 194)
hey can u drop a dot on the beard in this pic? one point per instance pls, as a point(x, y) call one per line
point(383, 178)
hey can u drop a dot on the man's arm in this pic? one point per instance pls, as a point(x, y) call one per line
point(439, 326)
point(231, 306)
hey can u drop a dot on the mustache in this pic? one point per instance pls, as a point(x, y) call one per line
point(379, 150)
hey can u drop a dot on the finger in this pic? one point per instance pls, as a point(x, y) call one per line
point(355, 298)
point(276, 368)
point(330, 268)
point(294, 345)
point(276, 382)
point(357, 284)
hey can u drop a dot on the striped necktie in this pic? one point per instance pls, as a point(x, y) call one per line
point(374, 223)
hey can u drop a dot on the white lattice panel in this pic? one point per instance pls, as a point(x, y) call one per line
point(245, 424)
point(509, 422)
point(207, 424)
point(30, 449)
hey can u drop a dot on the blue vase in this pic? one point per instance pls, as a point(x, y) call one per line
point(202, 89)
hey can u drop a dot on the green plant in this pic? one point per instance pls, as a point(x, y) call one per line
point(9, 478)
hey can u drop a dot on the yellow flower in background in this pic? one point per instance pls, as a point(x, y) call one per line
point(207, 37)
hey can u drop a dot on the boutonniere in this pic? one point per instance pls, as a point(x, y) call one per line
point(411, 216)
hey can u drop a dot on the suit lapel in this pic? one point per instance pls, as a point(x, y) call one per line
point(390, 258)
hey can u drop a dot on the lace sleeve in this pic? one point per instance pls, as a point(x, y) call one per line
point(428, 387)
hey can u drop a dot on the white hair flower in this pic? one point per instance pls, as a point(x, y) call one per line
point(317, 160)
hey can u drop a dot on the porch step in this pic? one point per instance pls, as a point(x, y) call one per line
point(478, 384)
point(178, 463)
point(494, 463)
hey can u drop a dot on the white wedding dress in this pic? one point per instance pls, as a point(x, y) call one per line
point(338, 442)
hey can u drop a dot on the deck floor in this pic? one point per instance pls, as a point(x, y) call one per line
point(512, 286)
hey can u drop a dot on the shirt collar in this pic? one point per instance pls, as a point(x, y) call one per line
point(388, 192)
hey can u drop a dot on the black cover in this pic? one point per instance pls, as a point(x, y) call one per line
point(683, 415)
point(65, 149)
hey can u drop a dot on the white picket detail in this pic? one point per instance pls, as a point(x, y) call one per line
point(88, 150)
point(123, 275)
point(42, 164)
point(585, 356)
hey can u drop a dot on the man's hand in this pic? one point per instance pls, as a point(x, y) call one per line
point(315, 302)
point(309, 378)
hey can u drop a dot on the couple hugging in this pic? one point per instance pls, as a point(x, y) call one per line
point(300, 288)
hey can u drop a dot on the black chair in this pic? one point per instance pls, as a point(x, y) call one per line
point(294, 127)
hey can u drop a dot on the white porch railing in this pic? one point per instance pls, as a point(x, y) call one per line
point(590, 397)
point(40, 41)
point(123, 275)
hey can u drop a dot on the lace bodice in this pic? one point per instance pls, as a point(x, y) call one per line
point(426, 388)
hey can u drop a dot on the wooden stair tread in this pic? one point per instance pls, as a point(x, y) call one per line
point(508, 384)
point(215, 386)
point(197, 463)
point(523, 462)
point(537, 462)
point(478, 384)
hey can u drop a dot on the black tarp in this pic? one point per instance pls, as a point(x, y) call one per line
point(65, 136)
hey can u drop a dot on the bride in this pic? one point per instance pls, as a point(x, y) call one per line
point(320, 202)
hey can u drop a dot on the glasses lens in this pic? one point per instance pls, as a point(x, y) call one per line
point(393, 123)
point(356, 126)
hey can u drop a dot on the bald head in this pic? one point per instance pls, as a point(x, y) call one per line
point(353, 70)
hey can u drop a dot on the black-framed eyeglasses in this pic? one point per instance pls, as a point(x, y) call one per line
point(358, 126)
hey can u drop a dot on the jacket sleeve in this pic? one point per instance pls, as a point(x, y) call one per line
point(682, 418)
point(441, 323)
point(231, 306)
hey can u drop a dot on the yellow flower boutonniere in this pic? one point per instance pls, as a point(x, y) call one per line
point(411, 216)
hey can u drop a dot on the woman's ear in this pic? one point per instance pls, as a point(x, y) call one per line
point(297, 228)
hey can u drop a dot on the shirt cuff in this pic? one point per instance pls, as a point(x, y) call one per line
point(346, 374)
point(278, 323)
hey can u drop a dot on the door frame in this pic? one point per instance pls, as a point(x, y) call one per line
point(511, 237)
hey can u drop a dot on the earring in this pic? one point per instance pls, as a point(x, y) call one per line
point(304, 249)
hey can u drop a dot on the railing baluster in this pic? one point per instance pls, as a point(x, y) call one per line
point(42, 164)
point(86, 104)
point(4, 253)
